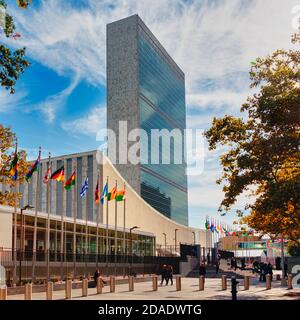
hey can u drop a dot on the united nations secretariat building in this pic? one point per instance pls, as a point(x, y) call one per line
point(59, 232)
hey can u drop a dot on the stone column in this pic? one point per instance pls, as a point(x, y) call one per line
point(268, 282)
point(224, 282)
point(112, 282)
point(99, 285)
point(178, 283)
point(154, 283)
point(201, 283)
point(131, 283)
point(68, 289)
point(28, 291)
point(49, 291)
point(290, 278)
point(85, 284)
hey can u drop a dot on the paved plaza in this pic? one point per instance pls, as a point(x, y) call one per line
point(190, 291)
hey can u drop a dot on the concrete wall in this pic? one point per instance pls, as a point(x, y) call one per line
point(140, 213)
point(6, 218)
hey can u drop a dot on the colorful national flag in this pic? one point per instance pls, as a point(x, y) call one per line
point(97, 193)
point(104, 193)
point(84, 187)
point(14, 166)
point(59, 175)
point(70, 182)
point(112, 194)
point(120, 195)
point(47, 175)
point(207, 226)
point(34, 168)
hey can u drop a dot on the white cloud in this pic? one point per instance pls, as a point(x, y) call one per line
point(9, 102)
point(212, 41)
point(54, 102)
point(90, 124)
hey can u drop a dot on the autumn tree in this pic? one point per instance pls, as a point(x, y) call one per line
point(263, 147)
point(12, 62)
point(7, 148)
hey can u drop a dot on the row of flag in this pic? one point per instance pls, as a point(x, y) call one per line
point(214, 226)
point(59, 175)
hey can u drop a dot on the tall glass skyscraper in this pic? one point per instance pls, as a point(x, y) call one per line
point(146, 88)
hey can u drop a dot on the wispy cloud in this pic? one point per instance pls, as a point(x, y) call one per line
point(9, 102)
point(90, 124)
point(52, 103)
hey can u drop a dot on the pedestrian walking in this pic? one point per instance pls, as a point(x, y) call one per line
point(169, 275)
point(164, 274)
point(96, 276)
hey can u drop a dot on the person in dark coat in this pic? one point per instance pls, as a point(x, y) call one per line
point(169, 275)
point(164, 275)
point(202, 270)
point(208, 258)
point(285, 268)
point(96, 276)
point(243, 264)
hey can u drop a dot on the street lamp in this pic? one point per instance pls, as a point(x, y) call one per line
point(130, 232)
point(164, 234)
point(22, 241)
point(176, 239)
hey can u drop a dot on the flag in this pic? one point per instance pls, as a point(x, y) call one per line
point(70, 182)
point(120, 195)
point(104, 193)
point(84, 187)
point(47, 175)
point(207, 226)
point(97, 195)
point(59, 175)
point(33, 169)
point(112, 194)
point(212, 227)
point(14, 166)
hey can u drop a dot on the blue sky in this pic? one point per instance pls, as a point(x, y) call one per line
point(60, 102)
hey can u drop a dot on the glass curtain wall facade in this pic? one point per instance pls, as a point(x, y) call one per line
point(146, 89)
point(162, 106)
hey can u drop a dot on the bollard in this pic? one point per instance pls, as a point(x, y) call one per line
point(268, 282)
point(112, 283)
point(290, 284)
point(178, 283)
point(3, 293)
point(85, 284)
point(49, 291)
point(246, 283)
point(68, 289)
point(224, 282)
point(201, 283)
point(99, 285)
point(28, 291)
point(154, 283)
point(131, 283)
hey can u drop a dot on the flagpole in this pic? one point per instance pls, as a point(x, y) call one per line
point(74, 222)
point(35, 219)
point(48, 220)
point(124, 234)
point(62, 227)
point(98, 214)
point(86, 230)
point(106, 249)
point(15, 225)
point(116, 230)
